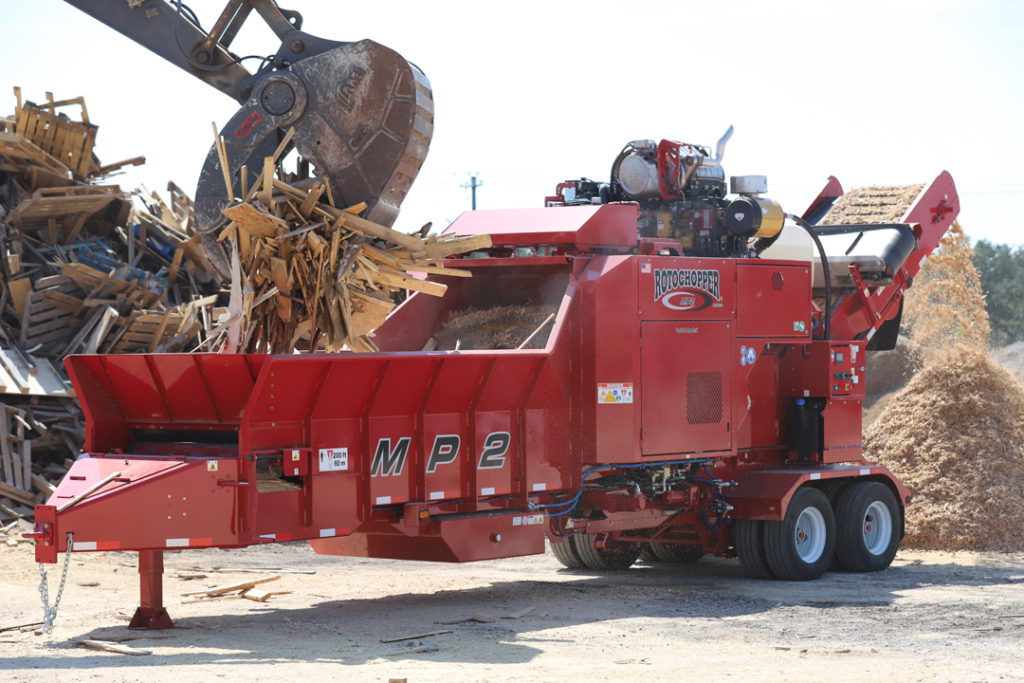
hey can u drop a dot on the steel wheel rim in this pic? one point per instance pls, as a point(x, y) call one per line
point(877, 527)
point(809, 536)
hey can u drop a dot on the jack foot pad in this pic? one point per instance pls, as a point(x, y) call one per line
point(145, 618)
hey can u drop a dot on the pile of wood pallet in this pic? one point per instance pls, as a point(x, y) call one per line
point(83, 269)
point(87, 270)
point(309, 275)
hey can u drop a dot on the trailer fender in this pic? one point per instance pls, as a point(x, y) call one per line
point(765, 494)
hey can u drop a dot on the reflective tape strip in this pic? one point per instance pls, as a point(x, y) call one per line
point(324, 533)
point(176, 543)
point(815, 476)
point(84, 545)
point(487, 491)
point(269, 537)
point(436, 495)
point(865, 471)
point(540, 487)
point(383, 500)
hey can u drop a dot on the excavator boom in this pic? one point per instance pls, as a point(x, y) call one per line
point(361, 113)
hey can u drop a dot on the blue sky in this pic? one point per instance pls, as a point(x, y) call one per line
point(529, 93)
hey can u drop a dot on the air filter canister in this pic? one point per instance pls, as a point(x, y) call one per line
point(754, 217)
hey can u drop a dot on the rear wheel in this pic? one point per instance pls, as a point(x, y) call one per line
point(677, 553)
point(565, 553)
point(868, 521)
point(801, 546)
point(748, 537)
point(621, 556)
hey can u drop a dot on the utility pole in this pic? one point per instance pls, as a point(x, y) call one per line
point(473, 184)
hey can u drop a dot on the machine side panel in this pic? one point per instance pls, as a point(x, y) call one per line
point(774, 300)
point(338, 447)
point(843, 432)
point(685, 388)
point(546, 432)
point(447, 442)
point(499, 416)
point(393, 426)
point(610, 360)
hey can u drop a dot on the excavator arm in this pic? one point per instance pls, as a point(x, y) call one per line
point(361, 113)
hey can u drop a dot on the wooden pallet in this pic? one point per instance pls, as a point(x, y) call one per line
point(152, 331)
point(70, 142)
point(63, 211)
point(20, 152)
point(51, 314)
point(15, 451)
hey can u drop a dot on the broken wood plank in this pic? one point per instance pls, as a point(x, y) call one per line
point(415, 636)
point(230, 588)
point(109, 646)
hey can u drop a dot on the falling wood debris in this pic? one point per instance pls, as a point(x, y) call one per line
point(315, 276)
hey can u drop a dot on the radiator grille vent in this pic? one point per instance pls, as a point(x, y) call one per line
point(703, 397)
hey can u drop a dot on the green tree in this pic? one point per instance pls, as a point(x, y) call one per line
point(1001, 268)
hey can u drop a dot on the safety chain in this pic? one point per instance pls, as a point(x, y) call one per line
point(50, 613)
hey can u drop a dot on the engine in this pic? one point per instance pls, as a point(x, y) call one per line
point(682, 193)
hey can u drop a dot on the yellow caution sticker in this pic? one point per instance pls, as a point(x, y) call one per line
point(617, 392)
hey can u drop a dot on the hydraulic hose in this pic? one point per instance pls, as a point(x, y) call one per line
point(825, 271)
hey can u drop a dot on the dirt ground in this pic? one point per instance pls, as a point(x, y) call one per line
point(930, 617)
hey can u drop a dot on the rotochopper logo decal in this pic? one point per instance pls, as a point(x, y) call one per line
point(686, 289)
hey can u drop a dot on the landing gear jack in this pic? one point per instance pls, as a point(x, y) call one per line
point(151, 613)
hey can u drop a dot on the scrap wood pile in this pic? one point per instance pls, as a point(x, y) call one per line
point(309, 275)
point(83, 270)
point(955, 432)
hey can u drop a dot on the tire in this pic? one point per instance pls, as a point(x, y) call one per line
point(676, 553)
point(748, 538)
point(868, 520)
point(565, 553)
point(801, 546)
point(647, 554)
point(622, 557)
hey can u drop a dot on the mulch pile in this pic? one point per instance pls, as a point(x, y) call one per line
point(955, 432)
point(955, 435)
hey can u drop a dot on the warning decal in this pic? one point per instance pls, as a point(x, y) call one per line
point(528, 520)
point(614, 393)
point(333, 459)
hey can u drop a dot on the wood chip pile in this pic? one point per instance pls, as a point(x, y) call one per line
point(82, 270)
point(313, 276)
point(872, 205)
point(955, 432)
point(955, 435)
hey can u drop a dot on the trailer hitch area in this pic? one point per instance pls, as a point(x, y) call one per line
point(42, 532)
point(45, 534)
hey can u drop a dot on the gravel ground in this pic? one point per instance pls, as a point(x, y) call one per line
point(931, 617)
